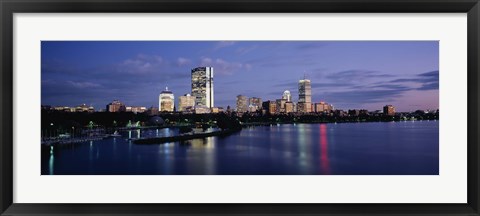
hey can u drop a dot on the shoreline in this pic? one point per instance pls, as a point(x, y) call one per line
point(185, 137)
point(325, 122)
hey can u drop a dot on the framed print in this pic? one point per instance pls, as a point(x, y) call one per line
point(261, 108)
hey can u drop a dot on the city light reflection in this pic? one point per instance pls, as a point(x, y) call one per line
point(303, 152)
point(91, 149)
point(90, 156)
point(324, 160)
point(50, 161)
point(114, 147)
point(210, 159)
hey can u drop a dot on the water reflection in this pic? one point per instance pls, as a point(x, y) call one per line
point(303, 142)
point(308, 149)
point(202, 152)
point(114, 147)
point(51, 161)
point(90, 158)
point(324, 160)
point(167, 156)
point(91, 150)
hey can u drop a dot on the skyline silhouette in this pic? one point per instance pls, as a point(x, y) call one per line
point(347, 74)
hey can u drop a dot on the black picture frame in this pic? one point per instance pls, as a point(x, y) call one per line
point(9, 7)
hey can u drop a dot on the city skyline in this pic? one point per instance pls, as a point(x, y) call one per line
point(347, 74)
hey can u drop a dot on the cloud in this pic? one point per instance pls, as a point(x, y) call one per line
point(433, 74)
point(427, 81)
point(223, 44)
point(429, 86)
point(245, 50)
point(55, 66)
point(224, 67)
point(183, 61)
point(141, 64)
point(363, 96)
point(344, 87)
point(284, 60)
point(136, 80)
point(314, 84)
point(145, 69)
point(72, 93)
point(391, 87)
point(356, 75)
point(206, 62)
point(83, 84)
point(311, 46)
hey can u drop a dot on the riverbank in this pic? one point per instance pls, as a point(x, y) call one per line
point(247, 124)
point(185, 137)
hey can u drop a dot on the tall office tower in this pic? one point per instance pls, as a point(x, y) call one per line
point(185, 101)
point(289, 107)
point(389, 110)
point(116, 106)
point(242, 105)
point(255, 104)
point(304, 96)
point(166, 101)
point(269, 106)
point(202, 86)
point(281, 105)
point(287, 96)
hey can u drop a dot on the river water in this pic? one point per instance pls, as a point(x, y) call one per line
point(376, 148)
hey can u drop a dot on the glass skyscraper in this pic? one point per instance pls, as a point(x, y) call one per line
point(202, 86)
point(304, 96)
point(242, 105)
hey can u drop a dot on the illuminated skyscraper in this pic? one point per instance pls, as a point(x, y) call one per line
point(242, 105)
point(287, 96)
point(202, 86)
point(166, 101)
point(288, 107)
point(323, 107)
point(255, 104)
point(116, 106)
point(280, 105)
point(304, 96)
point(389, 110)
point(185, 101)
point(269, 106)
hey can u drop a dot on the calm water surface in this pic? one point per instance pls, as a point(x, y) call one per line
point(383, 148)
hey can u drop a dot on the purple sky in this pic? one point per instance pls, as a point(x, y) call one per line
point(347, 74)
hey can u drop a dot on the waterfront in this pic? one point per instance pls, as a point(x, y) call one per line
point(374, 148)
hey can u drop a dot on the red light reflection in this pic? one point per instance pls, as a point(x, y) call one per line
point(324, 161)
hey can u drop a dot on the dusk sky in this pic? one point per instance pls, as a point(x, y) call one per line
point(347, 74)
